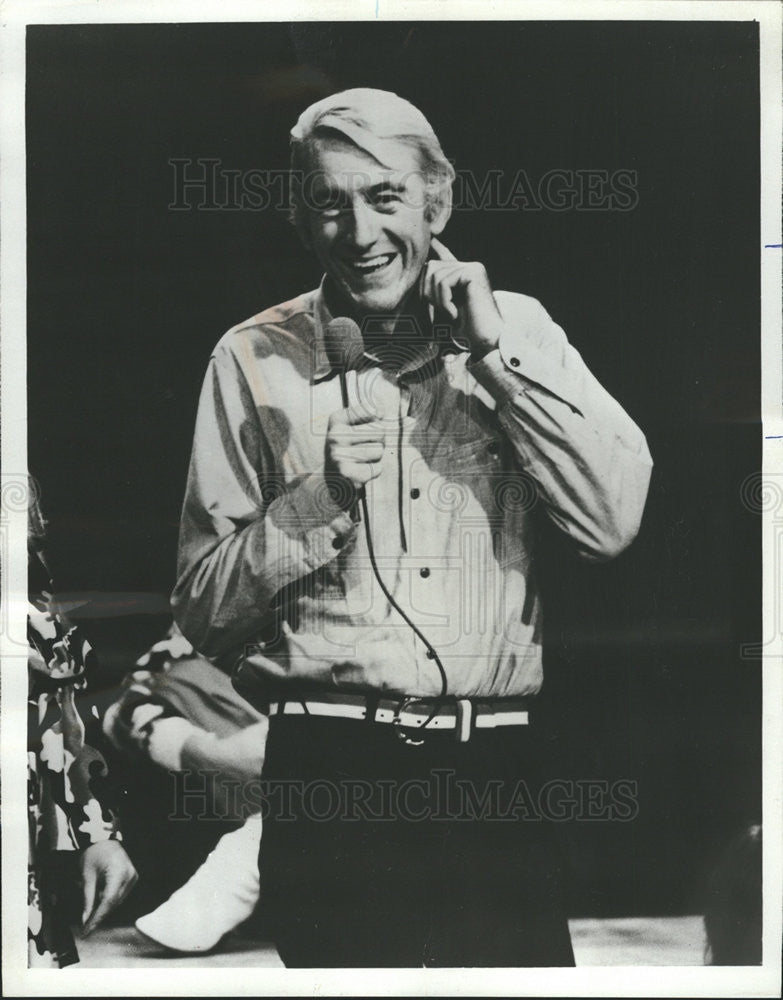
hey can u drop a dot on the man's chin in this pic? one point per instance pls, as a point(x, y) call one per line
point(380, 300)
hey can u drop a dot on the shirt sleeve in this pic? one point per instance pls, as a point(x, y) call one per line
point(590, 461)
point(245, 534)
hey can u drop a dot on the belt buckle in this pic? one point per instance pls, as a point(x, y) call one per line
point(398, 727)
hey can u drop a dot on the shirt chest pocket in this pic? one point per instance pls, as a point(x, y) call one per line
point(463, 480)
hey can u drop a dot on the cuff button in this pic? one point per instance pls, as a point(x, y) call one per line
point(514, 362)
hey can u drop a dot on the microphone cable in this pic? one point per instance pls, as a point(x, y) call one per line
point(432, 653)
point(345, 341)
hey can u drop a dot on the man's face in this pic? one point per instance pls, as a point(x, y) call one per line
point(367, 223)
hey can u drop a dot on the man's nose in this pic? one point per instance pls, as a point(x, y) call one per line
point(362, 225)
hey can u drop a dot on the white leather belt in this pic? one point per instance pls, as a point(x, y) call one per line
point(461, 714)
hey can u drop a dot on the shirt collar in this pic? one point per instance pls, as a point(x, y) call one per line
point(323, 366)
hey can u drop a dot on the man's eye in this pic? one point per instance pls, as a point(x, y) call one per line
point(387, 200)
point(330, 206)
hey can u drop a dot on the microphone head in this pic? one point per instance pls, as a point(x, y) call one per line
point(344, 343)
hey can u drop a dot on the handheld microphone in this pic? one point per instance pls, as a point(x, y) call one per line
point(344, 346)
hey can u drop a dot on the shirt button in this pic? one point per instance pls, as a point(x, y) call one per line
point(415, 493)
point(424, 571)
point(514, 362)
point(337, 543)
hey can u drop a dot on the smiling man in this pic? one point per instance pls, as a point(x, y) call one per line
point(370, 230)
point(358, 546)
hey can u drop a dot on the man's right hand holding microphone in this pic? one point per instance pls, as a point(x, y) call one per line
point(355, 442)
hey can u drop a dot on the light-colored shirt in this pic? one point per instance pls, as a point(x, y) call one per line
point(274, 577)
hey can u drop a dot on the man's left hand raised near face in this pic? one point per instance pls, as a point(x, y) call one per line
point(462, 291)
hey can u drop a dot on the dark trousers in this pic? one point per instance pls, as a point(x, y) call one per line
point(376, 853)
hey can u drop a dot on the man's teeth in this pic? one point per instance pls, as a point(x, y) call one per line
point(372, 263)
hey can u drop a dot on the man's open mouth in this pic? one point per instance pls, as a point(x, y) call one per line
point(370, 265)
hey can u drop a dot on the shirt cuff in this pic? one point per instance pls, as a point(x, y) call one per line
point(491, 372)
point(515, 366)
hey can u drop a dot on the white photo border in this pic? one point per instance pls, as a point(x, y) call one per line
point(761, 981)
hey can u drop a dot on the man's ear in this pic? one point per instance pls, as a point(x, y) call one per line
point(440, 210)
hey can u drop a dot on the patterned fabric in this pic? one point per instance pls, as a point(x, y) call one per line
point(64, 812)
point(174, 680)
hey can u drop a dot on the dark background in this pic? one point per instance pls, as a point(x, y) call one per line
point(126, 298)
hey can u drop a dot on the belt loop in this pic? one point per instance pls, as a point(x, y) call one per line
point(464, 719)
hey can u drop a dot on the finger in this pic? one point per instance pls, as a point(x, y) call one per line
point(352, 416)
point(126, 881)
point(439, 290)
point(108, 897)
point(105, 906)
point(89, 885)
point(342, 443)
point(348, 417)
point(428, 288)
point(372, 452)
point(445, 293)
point(442, 275)
point(364, 430)
point(367, 471)
point(348, 463)
point(357, 414)
point(360, 473)
point(441, 252)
